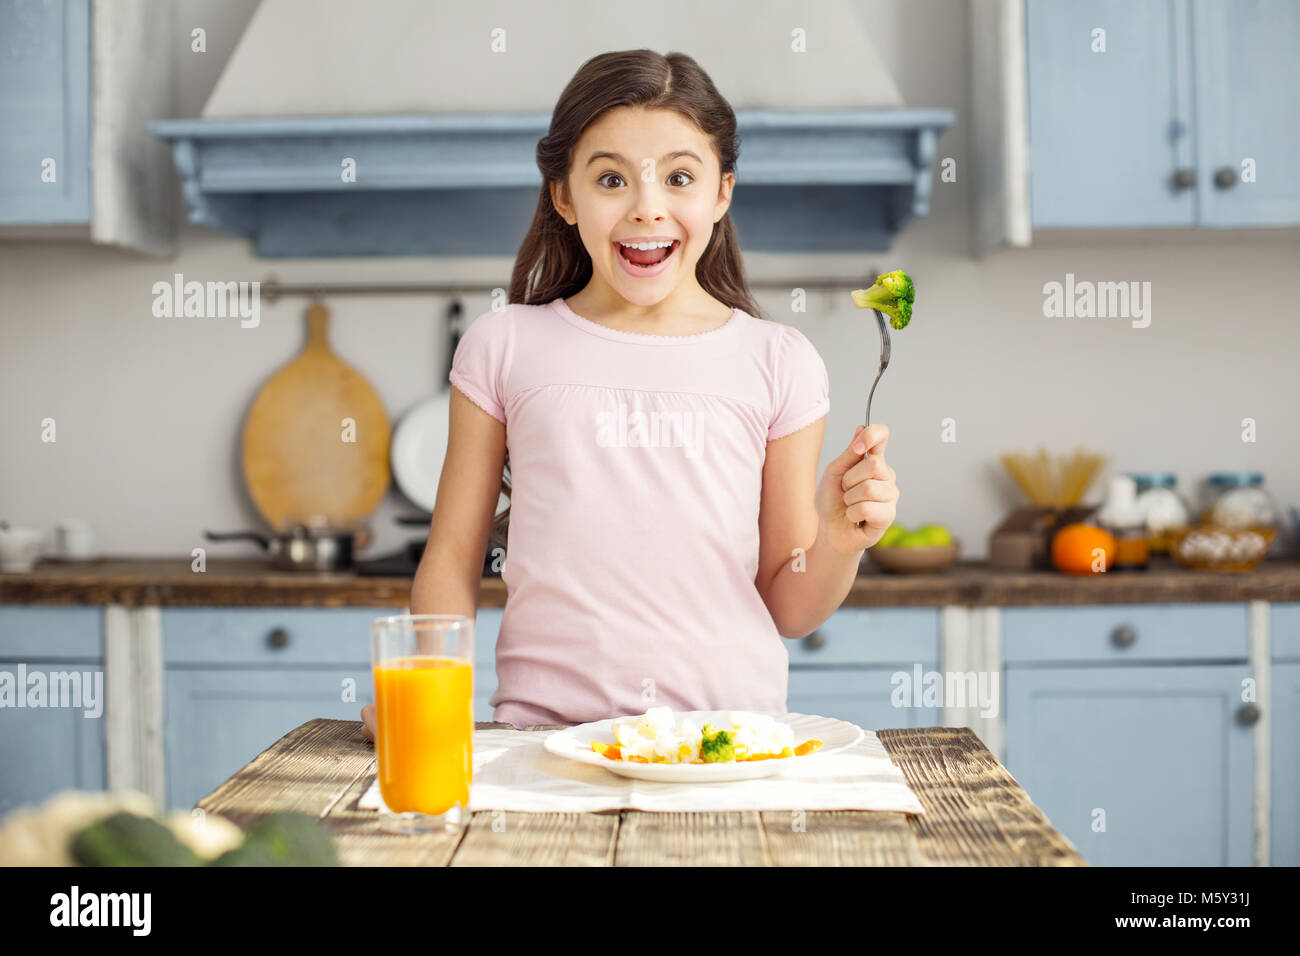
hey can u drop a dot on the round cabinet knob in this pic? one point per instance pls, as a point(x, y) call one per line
point(1123, 636)
point(1248, 714)
point(1225, 177)
point(278, 639)
point(1184, 179)
point(815, 640)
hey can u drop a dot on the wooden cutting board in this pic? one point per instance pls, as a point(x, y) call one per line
point(303, 460)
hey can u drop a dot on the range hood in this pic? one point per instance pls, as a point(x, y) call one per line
point(337, 131)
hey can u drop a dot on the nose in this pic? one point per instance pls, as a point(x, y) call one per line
point(649, 205)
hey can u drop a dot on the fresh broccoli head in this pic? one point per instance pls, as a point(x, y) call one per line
point(716, 746)
point(892, 294)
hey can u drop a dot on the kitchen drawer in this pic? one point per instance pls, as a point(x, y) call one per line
point(237, 635)
point(34, 632)
point(311, 635)
point(1094, 633)
point(871, 636)
point(1284, 632)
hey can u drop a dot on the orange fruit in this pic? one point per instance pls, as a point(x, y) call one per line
point(1075, 545)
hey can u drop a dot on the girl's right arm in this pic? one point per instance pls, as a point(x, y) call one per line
point(451, 570)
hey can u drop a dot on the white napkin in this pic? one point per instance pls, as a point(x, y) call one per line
point(513, 771)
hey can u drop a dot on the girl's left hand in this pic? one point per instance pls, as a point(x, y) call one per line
point(854, 488)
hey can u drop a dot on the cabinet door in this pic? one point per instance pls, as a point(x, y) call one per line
point(45, 111)
point(1108, 130)
point(218, 719)
point(1285, 753)
point(1247, 68)
point(50, 748)
point(1158, 749)
point(860, 695)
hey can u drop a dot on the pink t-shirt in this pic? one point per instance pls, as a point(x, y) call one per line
point(636, 465)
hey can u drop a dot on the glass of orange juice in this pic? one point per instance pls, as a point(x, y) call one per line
point(424, 703)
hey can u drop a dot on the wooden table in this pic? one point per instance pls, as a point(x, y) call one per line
point(976, 815)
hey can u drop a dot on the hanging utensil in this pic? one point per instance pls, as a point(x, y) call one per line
point(315, 440)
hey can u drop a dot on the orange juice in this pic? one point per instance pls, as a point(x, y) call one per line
point(425, 715)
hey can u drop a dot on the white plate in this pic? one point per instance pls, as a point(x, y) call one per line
point(574, 743)
point(419, 446)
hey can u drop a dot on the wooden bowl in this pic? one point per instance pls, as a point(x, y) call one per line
point(1210, 548)
point(914, 560)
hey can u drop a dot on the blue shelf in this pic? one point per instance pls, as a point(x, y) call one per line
point(467, 184)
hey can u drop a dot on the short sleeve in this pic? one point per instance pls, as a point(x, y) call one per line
point(480, 364)
point(802, 392)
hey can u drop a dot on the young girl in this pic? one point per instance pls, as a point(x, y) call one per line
point(665, 533)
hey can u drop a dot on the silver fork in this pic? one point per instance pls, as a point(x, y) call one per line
point(884, 363)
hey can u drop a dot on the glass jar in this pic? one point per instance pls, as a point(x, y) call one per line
point(1238, 500)
point(1120, 516)
point(1164, 509)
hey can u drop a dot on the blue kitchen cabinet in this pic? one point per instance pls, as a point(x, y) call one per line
point(238, 679)
point(1284, 800)
point(487, 625)
point(45, 112)
point(1284, 632)
point(52, 748)
point(1247, 102)
point(1126, 726)
point(1108, 130)
point(1154, 130)
point(850, 667)
point(216, 720)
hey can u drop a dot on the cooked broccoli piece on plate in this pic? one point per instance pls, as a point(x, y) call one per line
point(716, 746)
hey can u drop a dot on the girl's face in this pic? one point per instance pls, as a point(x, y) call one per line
point(644, 175)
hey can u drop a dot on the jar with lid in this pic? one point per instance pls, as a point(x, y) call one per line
point(1237, 500)
point(1164, 509)
point(1120, 516)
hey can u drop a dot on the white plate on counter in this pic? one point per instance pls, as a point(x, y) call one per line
point(574, 743)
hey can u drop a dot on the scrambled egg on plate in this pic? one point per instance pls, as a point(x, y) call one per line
point(653, 738)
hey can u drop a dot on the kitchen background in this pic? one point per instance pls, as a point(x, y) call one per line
point(1104, 690)
point(149, 411)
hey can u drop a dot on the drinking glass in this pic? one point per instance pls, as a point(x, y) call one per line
point(424, 703)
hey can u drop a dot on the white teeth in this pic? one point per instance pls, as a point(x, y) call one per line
point(647, 245)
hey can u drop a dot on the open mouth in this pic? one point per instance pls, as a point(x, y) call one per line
point(646, 258)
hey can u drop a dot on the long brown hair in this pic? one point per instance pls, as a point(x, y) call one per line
point(552, 261)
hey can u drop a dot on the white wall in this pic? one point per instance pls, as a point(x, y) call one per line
point(149, 410)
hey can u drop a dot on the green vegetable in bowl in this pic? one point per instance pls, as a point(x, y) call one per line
point(892, 294)
point(891, 536)
point(283, 839)
point(125, 839)
point(129, 839)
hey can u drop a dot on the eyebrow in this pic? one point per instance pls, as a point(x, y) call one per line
point(603, 154)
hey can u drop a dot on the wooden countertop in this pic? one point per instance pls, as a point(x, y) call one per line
point(975, 815)
point(250, 582)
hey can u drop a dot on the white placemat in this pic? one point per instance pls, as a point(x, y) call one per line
point(512, 771)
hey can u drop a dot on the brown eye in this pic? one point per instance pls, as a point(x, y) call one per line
point(602, 179)
point(681, 173)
